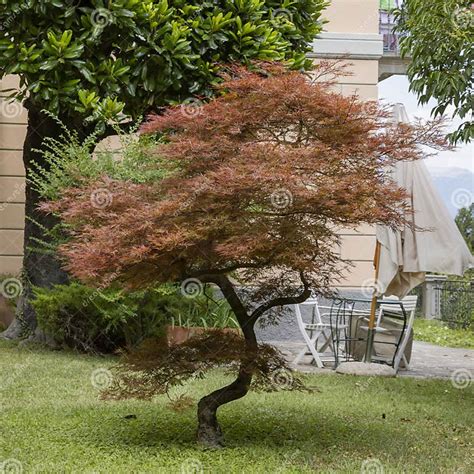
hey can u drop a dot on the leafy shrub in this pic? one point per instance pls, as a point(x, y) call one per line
point(70, 160)
point(207, 312)
point(87, 57)
point(103, 320)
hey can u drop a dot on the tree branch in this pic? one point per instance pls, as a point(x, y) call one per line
point(228, 290)
point(284, 300)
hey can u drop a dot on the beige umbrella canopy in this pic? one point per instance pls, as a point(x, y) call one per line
point(432, 244)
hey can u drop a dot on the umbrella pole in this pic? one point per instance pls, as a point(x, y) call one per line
point(373, 307)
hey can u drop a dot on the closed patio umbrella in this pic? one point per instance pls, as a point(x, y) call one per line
point(430, 242)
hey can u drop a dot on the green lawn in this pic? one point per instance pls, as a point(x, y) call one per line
point(437, 332)
point(51, 420)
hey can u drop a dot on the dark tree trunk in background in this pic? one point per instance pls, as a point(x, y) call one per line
point(209, 432)
point(39, 269)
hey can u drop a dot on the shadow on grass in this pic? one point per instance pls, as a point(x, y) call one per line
point(244, 427)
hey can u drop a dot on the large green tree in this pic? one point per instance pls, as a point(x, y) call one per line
point(86, 61)
point(438, 36)
point(465, 222)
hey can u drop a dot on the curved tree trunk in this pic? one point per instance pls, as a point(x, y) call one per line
point(209, 432)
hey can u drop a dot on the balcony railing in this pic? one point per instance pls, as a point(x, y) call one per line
point(386, 26)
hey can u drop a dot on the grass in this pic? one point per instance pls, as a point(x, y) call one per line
point(436, 332)
point(51, 420)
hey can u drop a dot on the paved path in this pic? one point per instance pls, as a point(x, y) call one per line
point(428, 361)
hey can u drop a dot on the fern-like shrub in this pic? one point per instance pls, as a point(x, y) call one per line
point(71, 161)
point(104, 320)
point(93, 320)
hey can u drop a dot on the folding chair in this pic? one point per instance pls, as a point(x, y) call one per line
point(389, 318)
point(315, 333)
point(391, 310)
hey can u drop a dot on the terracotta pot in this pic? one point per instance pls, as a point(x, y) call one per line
point(179, 334)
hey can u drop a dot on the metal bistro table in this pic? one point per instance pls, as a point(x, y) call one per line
point(349, 327)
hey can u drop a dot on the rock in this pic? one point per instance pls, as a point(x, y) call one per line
point(363, 368)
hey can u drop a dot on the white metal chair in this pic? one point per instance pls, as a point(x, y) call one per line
point(390, 309)
point(409, 305)
point(320, 333)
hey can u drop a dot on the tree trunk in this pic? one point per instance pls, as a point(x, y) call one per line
point(39, 269)
point(209, 432)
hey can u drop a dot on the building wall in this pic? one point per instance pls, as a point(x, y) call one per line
point(352, 33)
point(12, 180)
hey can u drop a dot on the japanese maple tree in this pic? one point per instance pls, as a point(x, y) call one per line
point(257, 182)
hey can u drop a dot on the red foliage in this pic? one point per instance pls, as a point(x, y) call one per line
point(261, 179)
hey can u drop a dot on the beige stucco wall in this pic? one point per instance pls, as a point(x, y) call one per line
point(353, 16)
point(12, 196)
point(354, 24)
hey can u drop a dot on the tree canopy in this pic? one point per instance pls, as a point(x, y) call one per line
point(91, 57)
point(91, 62)
point(254, 181)
point(437, 36)
point(255, 185)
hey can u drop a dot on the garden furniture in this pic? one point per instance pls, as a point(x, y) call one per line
point(340, 332)
point(318, 334)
